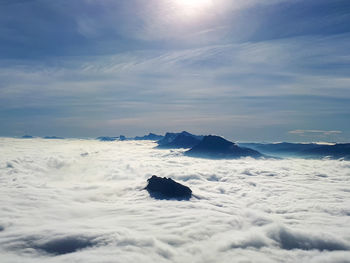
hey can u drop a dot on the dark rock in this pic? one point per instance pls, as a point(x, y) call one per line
point(217, 147)
point(150, 137)
point(179, 140)
point(166, 188)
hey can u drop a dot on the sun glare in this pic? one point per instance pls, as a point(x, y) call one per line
point(194, 3)
point(193, 7)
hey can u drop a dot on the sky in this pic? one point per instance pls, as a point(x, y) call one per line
point(249, 70)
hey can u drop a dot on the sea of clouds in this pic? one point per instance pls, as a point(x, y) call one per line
point(83, 201)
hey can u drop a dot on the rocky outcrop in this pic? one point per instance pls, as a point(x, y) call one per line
point(166, 188)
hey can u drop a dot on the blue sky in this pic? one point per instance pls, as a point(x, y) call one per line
point(248, 70)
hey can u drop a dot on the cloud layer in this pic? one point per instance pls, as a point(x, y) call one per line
point(83, 201)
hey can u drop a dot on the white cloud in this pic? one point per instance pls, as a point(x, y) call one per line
point(249, 210)
point(314, 132)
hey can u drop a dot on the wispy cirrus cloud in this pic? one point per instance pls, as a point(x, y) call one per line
point(314, 132)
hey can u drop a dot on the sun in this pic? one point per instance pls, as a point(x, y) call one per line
point(193, 7)
point(194, 3)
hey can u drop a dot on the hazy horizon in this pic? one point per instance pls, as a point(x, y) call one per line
point(320, 141)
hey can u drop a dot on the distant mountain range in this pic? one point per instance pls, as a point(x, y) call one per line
point(150, 136)
point(53, 137)
point(45, 137)
point(212, 146)
point(303, 150)
point(107, 138)
point(27, 136)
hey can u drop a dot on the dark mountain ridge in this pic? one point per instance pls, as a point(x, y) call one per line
point(107, 138)
point(303, 150)
point(217, 147)
point(150, 137)
point(179, 140)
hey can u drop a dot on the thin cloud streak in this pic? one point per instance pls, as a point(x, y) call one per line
point(320, 132)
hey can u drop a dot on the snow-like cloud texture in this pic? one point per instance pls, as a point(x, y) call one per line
point(83, 201)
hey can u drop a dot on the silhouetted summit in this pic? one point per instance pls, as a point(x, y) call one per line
point(166, 188)
point(217, 147)
point(150, 136)
point(168, 138)
point(179, 140)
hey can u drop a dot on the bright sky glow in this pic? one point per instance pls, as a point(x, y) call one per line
point(193, 7)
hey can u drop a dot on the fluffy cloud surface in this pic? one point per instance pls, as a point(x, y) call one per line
point(83, 201)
